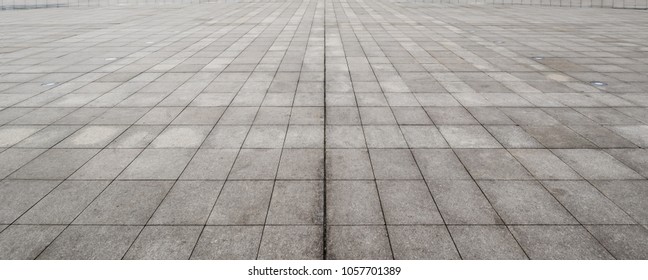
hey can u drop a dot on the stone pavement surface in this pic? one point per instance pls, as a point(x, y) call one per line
point(323, 129)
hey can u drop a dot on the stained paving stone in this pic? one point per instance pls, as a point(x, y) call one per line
point(164, 243)
point(486, 242)
point(260, 124)
point(559, 243)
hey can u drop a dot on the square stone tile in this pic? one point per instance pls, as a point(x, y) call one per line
point(158, 164)
point(596, 164)
point(228, 243)
point(48, 137)
point(199, 116)
point(291, 243)
point(125, 203)
point(26, 242)
point(296, 202)
point(559, 243)
point(342, 136)
point(358, 243)
point(631, 196)
point(384, 136)
point(637, 159)
point(525, 202)
point(137, 136)
point(353, 203)
point(10, 135)
point(511, 136)
point(242, 203)
point(486, 242)
point(164, 243)
point(210, 164)
point(12, 159)
point(265, 136)
point(187, 203)
point(422, 242)
point(181, 137)
point(407, 202)
point(543, 164)
point(423, 137)
point(91, 243)
point(637, 134)
point(450, 115)
point(18, 196)
point(348, 164)
point(374, 115)
point(226, 137)
point(92, 136)
point(55, 164)
point(63, 204)
point(622, 241)
point(558, 137)
point(394, 164)
point(304, 136)
point(496, 164)
point(468, 136)
point(258, 164)
point(586, 203)
point(439, 164)
point(106, 165)
point(462, 202)
point(301, 164)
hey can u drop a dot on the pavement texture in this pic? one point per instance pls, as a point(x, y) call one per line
point(323, 129)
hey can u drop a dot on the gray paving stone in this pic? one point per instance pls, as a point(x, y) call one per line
point(91, 243)
point(468, 136)
point(394, 164)
point(125, 203)
point(187, 203)
point(423, 137)
point(210, 164)
point(136, 137)
point(228, 243)
point(158, 164)
point(525, 202)
point(17, 196)
point(164, 243)
point(439, 164)
point(587, 204)
point(384, 136)
point(48, 137)
point(558, 243)
point(305, 136)
point(357, 243)
point(407, 202)
point(511, 136)
point(301, 164)
point(421, 242)
point(628, 195)
point(348, 164)
point(486, 242)
point(353, 203)
point(543, 164)
point(242, 203)
point(92, 137)
point(462, 202)
point(10, 135)
point(26, 241)
point(291, 242)
point(55, 164)
point(596, 164)
point(12, 159)
point(181, 137)
point(296, 202)
point(226, 137)
point(106, 165)
point(637, 159)
point(259, 164)
point(265, 136)
point(495, 164)
point(342, 136)
point(64, 203)
point(622, 241)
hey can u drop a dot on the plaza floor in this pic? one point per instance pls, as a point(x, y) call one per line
point(324, 129)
